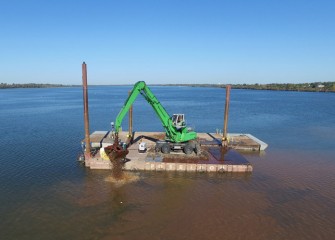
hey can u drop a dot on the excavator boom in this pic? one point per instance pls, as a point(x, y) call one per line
point(174, 133)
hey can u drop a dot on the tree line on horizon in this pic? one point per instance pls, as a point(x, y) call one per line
point(303, 87)
point(30, 85)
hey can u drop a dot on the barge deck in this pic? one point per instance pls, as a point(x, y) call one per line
point(213, 158)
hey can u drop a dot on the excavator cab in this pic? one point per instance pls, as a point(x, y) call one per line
point(178, 120)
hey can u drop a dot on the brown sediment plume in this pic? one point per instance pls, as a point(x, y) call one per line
point(117, 172)
point(116, 154)
point(127, 177)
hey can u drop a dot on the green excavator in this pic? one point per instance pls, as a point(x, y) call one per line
point(177, 135)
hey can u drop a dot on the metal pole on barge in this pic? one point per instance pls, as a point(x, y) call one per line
point(130, 114)
point(86, 120)
point(226, 111)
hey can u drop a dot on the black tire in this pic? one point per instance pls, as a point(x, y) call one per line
point(165, 148)
point(188, 149)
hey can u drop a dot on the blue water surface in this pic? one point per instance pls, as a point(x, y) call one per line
point(41, 129)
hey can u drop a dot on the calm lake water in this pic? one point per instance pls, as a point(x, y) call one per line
point(46, 194)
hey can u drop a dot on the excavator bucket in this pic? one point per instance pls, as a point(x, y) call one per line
point(116, 155)
point(116, 152)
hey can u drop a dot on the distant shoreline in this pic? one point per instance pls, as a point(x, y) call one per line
point(34, 85)
point(298, 87)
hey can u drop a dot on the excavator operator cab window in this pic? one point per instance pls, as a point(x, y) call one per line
point(178, 120)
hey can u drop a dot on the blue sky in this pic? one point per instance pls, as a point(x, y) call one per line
point(167, 41)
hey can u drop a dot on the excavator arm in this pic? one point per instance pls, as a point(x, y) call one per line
point(173, 133)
